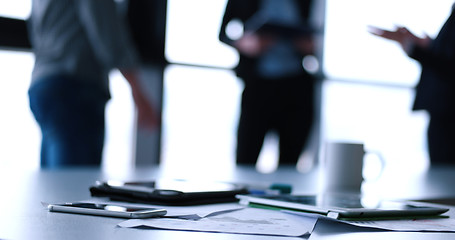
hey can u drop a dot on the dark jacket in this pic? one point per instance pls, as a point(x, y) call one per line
point(243, 10)
point(435, 91)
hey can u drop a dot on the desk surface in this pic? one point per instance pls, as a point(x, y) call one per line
point(23, 217)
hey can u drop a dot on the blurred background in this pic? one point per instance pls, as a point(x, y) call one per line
point(366, 95)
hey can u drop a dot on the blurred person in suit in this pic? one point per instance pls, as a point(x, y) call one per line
point(278, 92)
point(435, 92)
point(76, 44)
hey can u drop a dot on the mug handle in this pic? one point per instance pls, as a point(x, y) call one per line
point(381, 160)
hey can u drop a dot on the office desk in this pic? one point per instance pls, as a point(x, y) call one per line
point(23, 217)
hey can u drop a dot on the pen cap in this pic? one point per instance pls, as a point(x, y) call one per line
point(281, 187)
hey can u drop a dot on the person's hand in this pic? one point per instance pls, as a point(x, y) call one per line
point(148, 116)
point(305, 45)
point(253, 45)
point(401, 35)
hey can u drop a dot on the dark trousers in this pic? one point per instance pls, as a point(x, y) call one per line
point(282, 105)
point(71, 117)
point(441, 138)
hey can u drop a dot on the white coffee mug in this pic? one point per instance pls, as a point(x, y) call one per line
point(342, 167)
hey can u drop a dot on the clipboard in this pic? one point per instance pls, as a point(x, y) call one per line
point(263, 25)
point(168, 192)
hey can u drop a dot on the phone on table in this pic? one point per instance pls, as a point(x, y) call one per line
point(108, 210)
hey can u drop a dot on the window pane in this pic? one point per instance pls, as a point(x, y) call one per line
point(350, 52)
point(20, 135)
point(15, 8)
point(192, 33)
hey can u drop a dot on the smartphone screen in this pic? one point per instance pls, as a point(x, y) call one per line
point(111, 210)
point(107, 207)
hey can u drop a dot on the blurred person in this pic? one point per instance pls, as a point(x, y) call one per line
point(76, 44)
point(278, 93)
point(435, 92)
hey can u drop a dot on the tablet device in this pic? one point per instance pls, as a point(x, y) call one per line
point(169, 191)
point(341, 206)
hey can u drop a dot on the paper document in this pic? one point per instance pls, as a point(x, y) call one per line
point(240, 221)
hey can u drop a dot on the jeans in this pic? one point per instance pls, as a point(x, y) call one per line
point(71, 117)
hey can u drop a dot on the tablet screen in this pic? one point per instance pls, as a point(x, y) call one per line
point(345, 205)
point(184, 186)
point(341, 201)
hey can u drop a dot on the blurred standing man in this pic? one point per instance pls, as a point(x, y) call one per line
point(435, 91)
point(76, 43)
point(279, 92)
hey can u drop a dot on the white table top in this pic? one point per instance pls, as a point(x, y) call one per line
point(23, 217)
